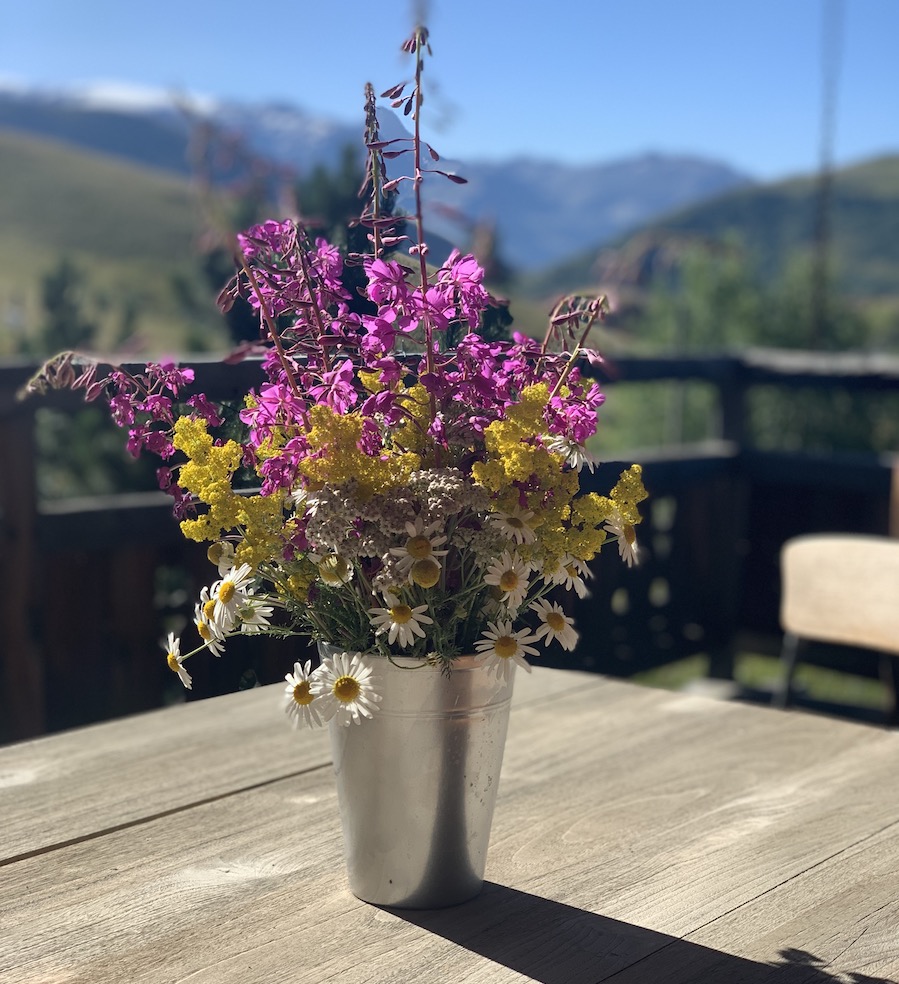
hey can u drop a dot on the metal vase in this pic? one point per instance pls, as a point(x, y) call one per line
point(417, 783)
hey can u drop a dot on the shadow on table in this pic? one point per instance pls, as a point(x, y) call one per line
point(559, 944)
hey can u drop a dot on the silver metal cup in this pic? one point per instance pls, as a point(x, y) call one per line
point(417, 783)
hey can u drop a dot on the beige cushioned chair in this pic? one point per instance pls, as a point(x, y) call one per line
point(839, 588)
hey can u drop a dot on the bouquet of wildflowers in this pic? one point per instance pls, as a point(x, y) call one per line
point(399, 484)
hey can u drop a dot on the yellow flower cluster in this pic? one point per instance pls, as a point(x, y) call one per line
point(261, 518)
point(207, 475)
point(336, 437)
point(628, 492)
point(568, 523)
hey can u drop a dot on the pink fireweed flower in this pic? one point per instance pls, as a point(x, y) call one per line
point(268, 237)
point(337, 388)
point(438, 305)
point(465, 276)
point(276, 405)
point(167, 376)
point(387, 282)
point(158, 407)
point(203, 407)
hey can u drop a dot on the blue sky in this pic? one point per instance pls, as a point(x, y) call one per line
point(577, 80)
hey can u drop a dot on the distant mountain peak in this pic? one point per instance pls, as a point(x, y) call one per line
point(543, 210)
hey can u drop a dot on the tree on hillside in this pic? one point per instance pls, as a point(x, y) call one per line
point(65, 323)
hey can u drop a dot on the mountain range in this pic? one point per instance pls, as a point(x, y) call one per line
point(542, 210)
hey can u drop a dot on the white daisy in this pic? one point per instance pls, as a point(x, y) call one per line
point(210, 632)
point(574, 454)
point(516, 525)
point(228, 595)
point(500, 646)
point(254, 614)
point(510, 575)
point(571, 573)
point(299, 701)
point(555, 624)
point(401, 622)
point(421, 545)
point(173, 658)
point(344, 685)
point(334, 570)
point(627, 538)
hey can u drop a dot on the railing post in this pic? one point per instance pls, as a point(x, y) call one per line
point(22, 711)
point(732, 404)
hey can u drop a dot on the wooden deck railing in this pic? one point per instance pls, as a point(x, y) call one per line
point(90, 587)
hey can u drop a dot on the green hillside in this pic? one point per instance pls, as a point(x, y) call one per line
point(774, 222)
point(129, 229)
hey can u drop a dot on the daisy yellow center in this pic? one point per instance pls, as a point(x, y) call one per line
point(401, 614)
point(630, 534)
point(203, 631)
point(509, 580)
point(572, 571)
point(425, 573)
point(419, 547)
point(174, 665)
point(506, 647)
point(555, 621)
point(302, 693)
point(515, 522)
point(346, 689)
point(225, 592)
point(209, 608)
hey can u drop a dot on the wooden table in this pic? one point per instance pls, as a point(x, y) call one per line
point(640, 836)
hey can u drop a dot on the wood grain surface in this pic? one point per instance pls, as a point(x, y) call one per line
point(639, 836)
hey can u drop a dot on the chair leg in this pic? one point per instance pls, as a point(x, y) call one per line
point(789, 654)
point(889, 674)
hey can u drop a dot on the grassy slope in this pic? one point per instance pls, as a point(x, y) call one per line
point(776, 220)
point(130, 229)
